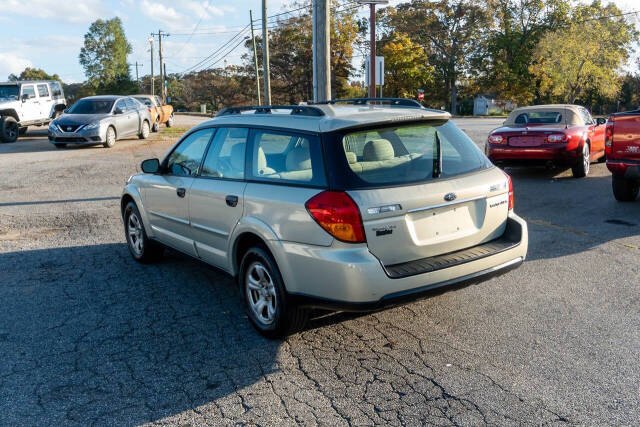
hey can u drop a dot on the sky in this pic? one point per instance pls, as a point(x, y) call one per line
point(49, 34)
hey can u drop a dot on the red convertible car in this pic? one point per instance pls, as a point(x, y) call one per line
point(552, 135)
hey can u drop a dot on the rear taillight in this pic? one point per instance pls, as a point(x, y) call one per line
point(558, 138)
point(338, 214)
point(497, 139)
point(608, 137)
point(510, 185)
point(149, 109)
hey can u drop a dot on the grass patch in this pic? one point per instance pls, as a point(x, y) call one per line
point(172, 132)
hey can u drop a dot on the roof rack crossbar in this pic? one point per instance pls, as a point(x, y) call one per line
point(403, 102)
point(296, 110)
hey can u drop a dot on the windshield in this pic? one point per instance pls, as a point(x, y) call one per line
point(407, 154)
point(91, 106)
point(9, 91)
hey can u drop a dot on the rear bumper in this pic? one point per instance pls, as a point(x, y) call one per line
point(629, 169)
point(556, 153)
point(351, 278)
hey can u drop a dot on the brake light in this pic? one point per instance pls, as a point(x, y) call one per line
point(558, 138)
point(338, 214)
point(510, 185)
point(608, 137)
point(497, 139)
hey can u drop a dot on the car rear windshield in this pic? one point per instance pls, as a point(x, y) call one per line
point(405, 154)
point(539, 118)
point(91, 106)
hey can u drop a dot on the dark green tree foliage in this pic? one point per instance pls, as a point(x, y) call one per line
point(33, 74)
point(104, 57)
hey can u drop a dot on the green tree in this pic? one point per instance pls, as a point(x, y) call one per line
point(586, 56)
point(34, 74)
point(104, 56)
point(406, 67)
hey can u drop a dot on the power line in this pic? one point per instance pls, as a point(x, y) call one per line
point(219, 49)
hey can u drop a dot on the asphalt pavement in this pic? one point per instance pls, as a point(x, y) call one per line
point(88, 336)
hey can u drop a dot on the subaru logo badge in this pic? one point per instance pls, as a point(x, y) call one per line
point(69, 128)
point(450, 197)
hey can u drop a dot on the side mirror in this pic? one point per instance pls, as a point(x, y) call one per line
point(65, 111)
point(25, 96)
point(600, 121)
point(150, 166)
point(118, 111)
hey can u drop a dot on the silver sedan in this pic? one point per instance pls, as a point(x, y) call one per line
point(100, 120)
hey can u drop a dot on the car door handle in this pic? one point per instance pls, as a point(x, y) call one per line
point(181, 192)
point(232, 201)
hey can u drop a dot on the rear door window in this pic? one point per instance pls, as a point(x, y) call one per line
point(43, 91)
point(405, 154)
point(285, 157)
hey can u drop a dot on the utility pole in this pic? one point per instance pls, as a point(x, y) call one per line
point(164, 84)
point(265, 52)
point(255, 55)
point(152, 76)
point(372, 41)
point(321, 52)
point(137, 77)
point(160, 34)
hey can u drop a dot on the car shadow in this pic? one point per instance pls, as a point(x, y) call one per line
point(86, 333)
point(568, 215)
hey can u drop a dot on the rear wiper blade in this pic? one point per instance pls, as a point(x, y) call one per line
point(437, 161)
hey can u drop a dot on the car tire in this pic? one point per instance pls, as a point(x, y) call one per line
point(581, 168)
point(170, 121)
point(9, 129)
point(265, 297)
point(59, 145)
point(155, 127)
point(144, 134)
point(23, 130)
point(110, 139)
point(624, 190)
point(142, 249)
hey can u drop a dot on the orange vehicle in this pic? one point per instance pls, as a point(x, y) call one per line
point(161, 114)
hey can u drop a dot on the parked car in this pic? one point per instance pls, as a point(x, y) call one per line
point(28, 103)
point(161, 114)
point(622, 143)
point(333, 206)
point(562, 135)
point(100, 120)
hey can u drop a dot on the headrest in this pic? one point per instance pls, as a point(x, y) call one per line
point(237, 156)
point(351, 157)
point(299, 158)
point(377, 149)
point(262, 159)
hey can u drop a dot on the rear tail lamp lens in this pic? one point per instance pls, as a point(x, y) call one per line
point(338, 215)
point(510, 185)
point(497, 139)
point(608, 138)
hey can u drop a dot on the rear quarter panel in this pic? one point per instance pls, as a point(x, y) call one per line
point(626, 137)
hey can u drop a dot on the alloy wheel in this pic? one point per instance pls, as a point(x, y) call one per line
point(261, 293)
point(586, 158)
point(134, 234)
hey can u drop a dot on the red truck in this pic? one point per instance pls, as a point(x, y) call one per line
point(622, 148)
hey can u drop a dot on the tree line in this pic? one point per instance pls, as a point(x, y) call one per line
point(523, 51)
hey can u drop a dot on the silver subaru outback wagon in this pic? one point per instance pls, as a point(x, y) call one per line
point(350, 205)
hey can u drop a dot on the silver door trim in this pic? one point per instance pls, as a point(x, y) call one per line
point(171, 234)
point(169, 217)
point(442, 205)
point(210, 229)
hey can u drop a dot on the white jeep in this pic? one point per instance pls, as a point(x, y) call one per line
point(28, 103)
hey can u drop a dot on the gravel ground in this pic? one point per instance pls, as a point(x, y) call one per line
point(88, 336)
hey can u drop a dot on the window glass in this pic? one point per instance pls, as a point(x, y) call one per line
point(131, 105)
point(586, 116)
point(9, 91)
point(56, 90)
point(43, 91)
point(91, 106)
point(225, 157)
point(407, 154)
point(158, 101)
point(185, 159)
point(121, 105)
point(285, 157)
point(29, 90)
point(540, 117)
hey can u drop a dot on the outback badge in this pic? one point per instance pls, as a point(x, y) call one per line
point(450, 197)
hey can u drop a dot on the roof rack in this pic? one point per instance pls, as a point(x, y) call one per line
point(401, 102)
point(296, 110)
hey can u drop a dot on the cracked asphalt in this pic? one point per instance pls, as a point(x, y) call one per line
point(90, 337)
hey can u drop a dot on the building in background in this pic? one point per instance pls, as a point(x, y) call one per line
point(485, 105)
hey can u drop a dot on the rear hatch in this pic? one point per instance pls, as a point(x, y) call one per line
point(626, 136)
point(427, 224)
point(423, 189)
